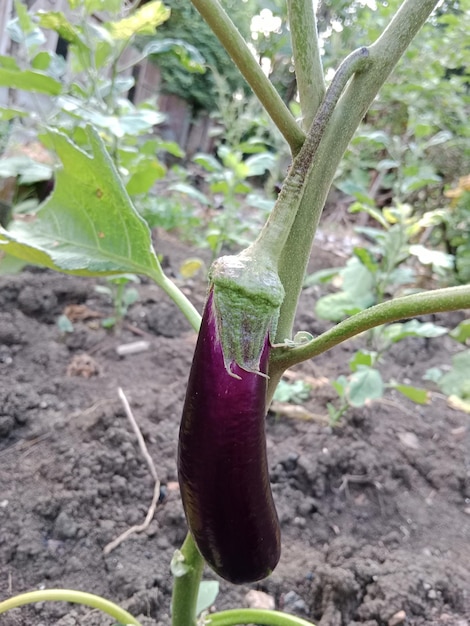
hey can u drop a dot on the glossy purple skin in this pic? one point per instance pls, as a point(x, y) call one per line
point(222, 464)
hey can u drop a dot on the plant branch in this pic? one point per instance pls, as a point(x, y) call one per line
point(263, 617)
point(186, 587)
point(307, 60)
point(70, 595)
point(275, 232)
point(236, 47)
point(436, 301)
point(351, 108)
point(178, 297)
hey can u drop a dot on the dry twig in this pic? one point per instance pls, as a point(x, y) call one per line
point(150, 464)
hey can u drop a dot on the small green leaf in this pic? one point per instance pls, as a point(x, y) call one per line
point(358, 207)
point(8, 63)
point(321, 276)
point(208, 592)
point(26, 169)
point(337, 306)
point(145, 175)
point(365, 384)
point(258, 164)
point(24, 19)
point(56, 21)
point(461, 332)
point(190, 191)
point(188, 55)
point(130, 297)
point(295, 392)
point(418, 395)
point(64, 324)
point(457, 381)
point(27, 80)
point(367, 259)
point(113, 6)
point(413, 328)
point(108, 322)
point(340, 385)
point(434, 374)
point(208, 162)
point(362, 358)
point(437, 258)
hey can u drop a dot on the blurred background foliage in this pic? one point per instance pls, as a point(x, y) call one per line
point(413, 146)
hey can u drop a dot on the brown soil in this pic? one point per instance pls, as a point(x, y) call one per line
point(375, 512)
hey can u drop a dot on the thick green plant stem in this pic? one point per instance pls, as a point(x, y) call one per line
point(70, 595)
point(186, 587)
point(275, 232)
point(236, 47)
point(307, 60)
point(262, 617)
point(436, 301)
point(351, 108)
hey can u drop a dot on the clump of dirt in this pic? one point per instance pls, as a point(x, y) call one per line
point(375, 512)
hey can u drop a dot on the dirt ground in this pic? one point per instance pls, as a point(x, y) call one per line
point(375, 512)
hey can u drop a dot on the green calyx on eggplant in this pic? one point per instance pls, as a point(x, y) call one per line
point(222, 461)
point(247, 295)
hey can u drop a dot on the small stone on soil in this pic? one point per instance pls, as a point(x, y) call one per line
point(398, 618)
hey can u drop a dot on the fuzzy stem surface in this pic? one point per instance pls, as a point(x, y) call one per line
point(186, 587)
point(275, 232)
point(351, 108)
point(307, 60)
point(436, 301)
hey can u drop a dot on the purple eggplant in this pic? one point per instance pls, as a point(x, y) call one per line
point(222, 462)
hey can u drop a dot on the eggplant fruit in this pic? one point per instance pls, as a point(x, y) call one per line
point(222, 462)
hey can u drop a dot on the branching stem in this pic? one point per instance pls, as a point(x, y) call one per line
point(307, 60)
point(275, 232)
point(241, 55)
point(436, 301)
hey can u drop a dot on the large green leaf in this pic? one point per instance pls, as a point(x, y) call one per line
point(88, 225)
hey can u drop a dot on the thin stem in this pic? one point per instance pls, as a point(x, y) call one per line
point(263, 617)
point(178, 297)
point(236, 47)
point(70, 595)
point(307, 60)
point(186, 587)
point(351, 108)
point(436, 301)
point(273, 236)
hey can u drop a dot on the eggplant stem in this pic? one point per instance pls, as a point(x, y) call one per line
point(186, 587)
